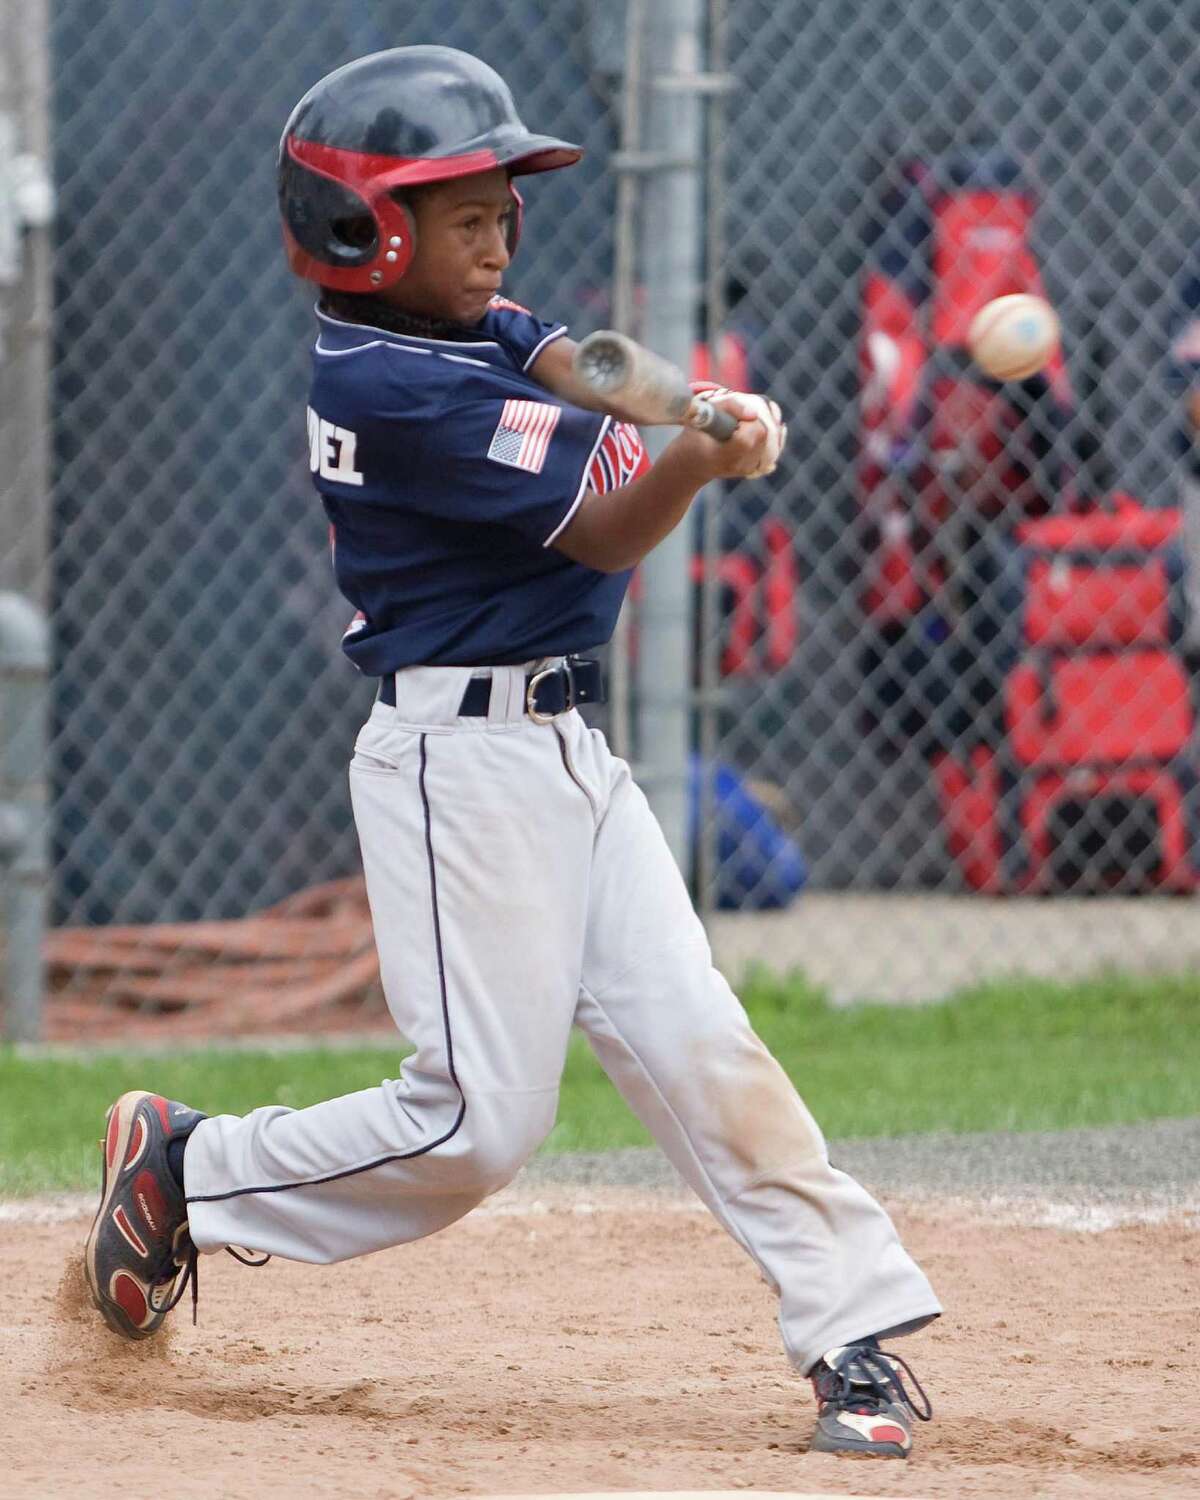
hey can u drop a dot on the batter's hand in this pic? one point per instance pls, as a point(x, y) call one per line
point(754, 448)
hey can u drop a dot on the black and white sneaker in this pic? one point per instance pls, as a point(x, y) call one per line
point(864, 1408)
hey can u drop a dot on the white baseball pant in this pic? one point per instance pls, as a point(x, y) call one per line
point(519, 884)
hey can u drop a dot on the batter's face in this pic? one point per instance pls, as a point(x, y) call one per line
point(462, 248)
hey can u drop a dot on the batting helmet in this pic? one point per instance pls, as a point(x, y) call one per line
point(383, 123)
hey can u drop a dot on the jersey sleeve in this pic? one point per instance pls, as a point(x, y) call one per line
point(523, 335)
point(620, 459)
point(525, 462)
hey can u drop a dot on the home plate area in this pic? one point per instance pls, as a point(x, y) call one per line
point(618, 1344)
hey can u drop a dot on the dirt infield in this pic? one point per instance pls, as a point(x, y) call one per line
point(612, 1344)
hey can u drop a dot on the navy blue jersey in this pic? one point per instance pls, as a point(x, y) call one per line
point(447, 473)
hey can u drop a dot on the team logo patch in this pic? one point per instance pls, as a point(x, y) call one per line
point(522, 436)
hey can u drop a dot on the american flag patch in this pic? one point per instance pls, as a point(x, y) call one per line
point(522, 437)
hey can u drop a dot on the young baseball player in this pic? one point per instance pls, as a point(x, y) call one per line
point(484, 521)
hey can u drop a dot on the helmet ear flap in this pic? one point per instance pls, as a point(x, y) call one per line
point(513, 237)
point(326, 219)
point(337, 235)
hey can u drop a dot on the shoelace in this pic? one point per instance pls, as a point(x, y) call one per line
point(886, 1382)
point(189, 1265)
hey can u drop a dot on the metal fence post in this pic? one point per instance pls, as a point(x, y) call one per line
point(671, 261)
point(709, 631)
point(24, 838)
point(626, 164)
point(26, 212)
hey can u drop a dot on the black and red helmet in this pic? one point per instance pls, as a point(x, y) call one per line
point(389, 121)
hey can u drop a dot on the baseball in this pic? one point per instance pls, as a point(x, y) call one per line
point(1013, 337)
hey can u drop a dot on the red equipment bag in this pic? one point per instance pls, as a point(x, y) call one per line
point(1100, 579)
point(1098, 717)
point(1099, 683)
point(1137, 822)
point(1102, 708)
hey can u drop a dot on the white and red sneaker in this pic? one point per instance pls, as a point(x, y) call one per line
point(864, 1408)
point(139, 1257)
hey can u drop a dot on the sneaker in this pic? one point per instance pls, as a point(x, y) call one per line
point(864, 1408)
point(139, 1257)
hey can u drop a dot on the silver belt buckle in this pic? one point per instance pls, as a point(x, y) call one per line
point(531, 694)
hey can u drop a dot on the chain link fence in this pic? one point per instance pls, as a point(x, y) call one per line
point(203, 706)
point(993, 690)
point(890, 722)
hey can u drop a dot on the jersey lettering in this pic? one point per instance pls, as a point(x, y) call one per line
point(620, 458)
point(331, 450)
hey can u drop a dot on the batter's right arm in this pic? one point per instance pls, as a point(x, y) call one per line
point(614, 531)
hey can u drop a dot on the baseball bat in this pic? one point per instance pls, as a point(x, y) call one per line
point(648, 389)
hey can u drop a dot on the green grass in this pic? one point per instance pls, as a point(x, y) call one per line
point(1018, 1055)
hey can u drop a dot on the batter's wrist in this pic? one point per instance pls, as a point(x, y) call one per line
point(687, 461)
